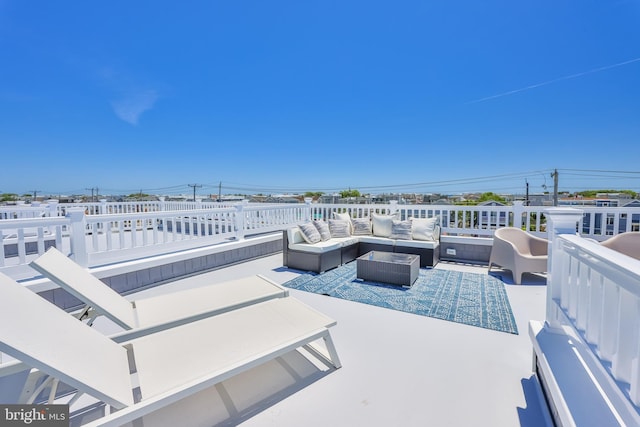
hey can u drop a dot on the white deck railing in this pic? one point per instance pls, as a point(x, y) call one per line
point(99, 238)
point(27, 235)
point(593, 299)
point(199, 224)
point(599, 293)
point(116, 237)
point(103, 207)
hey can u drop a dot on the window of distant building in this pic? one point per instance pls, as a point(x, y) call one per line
point(609, 229)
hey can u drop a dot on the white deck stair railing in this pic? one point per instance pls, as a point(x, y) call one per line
point(587, 353)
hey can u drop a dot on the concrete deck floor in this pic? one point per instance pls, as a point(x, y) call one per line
point(398, 369)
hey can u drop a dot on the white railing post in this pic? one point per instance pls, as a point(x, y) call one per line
point(393, 207)
point(307, 210)
point(518, 210)
point(77, 236)
point(559, 221)
point(103, 207)
point(52, 207)
point(240, 219)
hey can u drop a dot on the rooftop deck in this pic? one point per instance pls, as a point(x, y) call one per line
point(398, 369)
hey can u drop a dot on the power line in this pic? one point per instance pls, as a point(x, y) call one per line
point(571, 178)
point(501, 178)
point(600, 171)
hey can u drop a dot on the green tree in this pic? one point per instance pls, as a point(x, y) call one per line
point(138, 195)
point(349, 193)
point(594, 193)
point(8, 197)
point(313, 194)
point(489, 196)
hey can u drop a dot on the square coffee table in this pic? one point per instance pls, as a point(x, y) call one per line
point(388, 267)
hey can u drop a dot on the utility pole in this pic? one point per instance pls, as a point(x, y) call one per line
point(93, 198)
point(554, 175)
point(527, 196)
point(35, 194)
point(194, 186)
point(220, 191)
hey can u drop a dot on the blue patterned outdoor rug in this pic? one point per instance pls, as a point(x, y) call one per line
point(469, 298)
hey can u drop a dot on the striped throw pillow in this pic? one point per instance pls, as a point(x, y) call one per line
point(339, 228)
point(323, 229)
point(345, 216)
point(309, 232)
point(361, 226)
point(401, 230)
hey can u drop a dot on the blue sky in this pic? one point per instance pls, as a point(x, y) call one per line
point(285, 96)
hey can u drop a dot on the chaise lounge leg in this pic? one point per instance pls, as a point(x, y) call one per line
point(331, 348)
point(332, 359)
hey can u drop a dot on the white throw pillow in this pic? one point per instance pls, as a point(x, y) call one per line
point(424, 228)
point(382, 224)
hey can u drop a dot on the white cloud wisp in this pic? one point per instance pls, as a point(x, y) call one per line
point(572, 76)
point(131, 106)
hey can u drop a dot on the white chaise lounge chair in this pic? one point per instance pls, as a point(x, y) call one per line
point(148, 315)
point(148, 373)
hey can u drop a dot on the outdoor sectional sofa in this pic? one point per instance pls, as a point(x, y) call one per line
point(303, 251)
